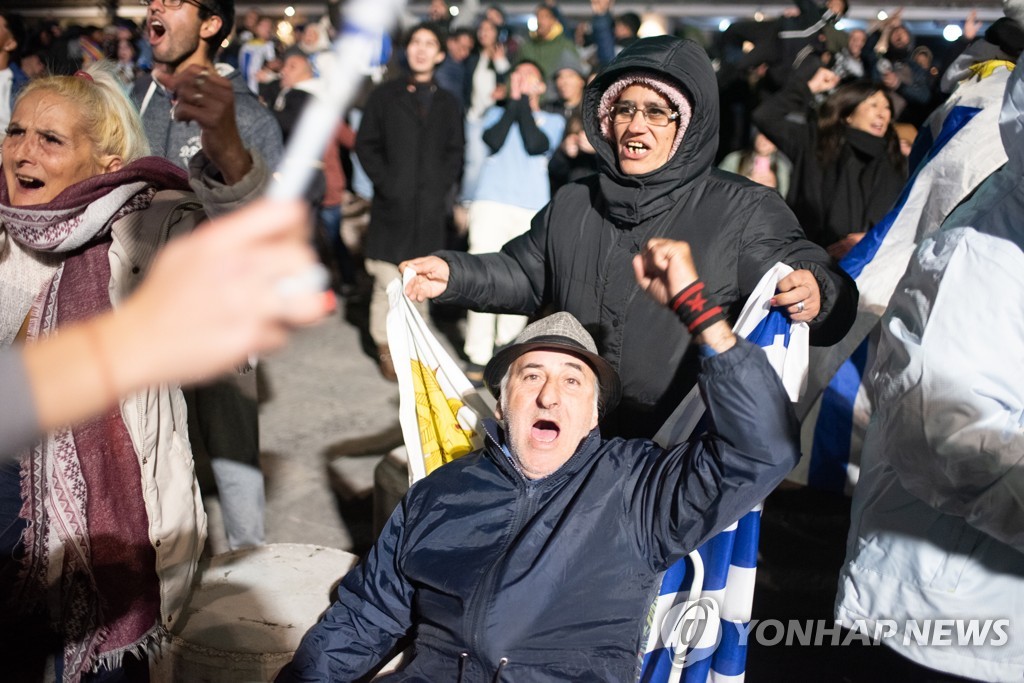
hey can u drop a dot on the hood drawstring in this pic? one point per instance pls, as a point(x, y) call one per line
point(463, 658)
point(501, 665)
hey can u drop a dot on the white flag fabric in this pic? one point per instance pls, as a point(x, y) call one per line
point(696, 625)
point(439, 410)
point(959, 146)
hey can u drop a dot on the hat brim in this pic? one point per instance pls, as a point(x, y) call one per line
point(607, 377)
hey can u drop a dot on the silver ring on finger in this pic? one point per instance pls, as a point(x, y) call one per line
point(197, 97)
point(800, 307)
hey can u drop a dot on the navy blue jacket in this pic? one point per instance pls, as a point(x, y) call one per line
point(553, 576)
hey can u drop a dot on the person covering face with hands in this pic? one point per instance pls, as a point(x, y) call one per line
point(652, 116)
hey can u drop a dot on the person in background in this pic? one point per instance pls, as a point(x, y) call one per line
point(506, 35)
point(185, 36)
point(439, 14)
point(652, 116)
point(124, 57)
point(225, 122)
point(762, 163)
point(453, 72)
point(847, 166)
point(547, 45)
point(909, 86)
point(574, 159)
point(410, 142)
point(849, 62)
point(297, 85)
point(486, 75)
point(12, 78)
point(486, 68)
point(258, 54)
point(90, 46)
point(34, 65)
point(611, 34)
point(512, 187)
point(570, 80)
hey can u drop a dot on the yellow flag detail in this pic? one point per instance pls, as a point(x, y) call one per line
point(984, 69)
point(441, 435)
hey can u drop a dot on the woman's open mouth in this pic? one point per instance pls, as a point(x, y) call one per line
point(28, 182)
point(635, 149)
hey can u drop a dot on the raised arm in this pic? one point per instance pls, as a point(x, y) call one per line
point(786, 118)
point(686, 494)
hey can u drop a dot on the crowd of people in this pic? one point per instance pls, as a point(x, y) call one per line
point(625, 194)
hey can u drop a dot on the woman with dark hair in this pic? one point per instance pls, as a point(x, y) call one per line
point(847, 166)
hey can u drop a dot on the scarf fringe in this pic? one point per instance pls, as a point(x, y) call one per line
point(150, 645)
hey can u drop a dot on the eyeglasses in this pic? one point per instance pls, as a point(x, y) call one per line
point(623, 112)
point(176, 4)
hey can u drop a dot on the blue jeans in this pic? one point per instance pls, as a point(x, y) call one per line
point(330, 221)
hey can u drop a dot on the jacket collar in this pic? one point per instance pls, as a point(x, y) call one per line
point(497, 449)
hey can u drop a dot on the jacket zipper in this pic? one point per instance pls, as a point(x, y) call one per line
point(486, 586)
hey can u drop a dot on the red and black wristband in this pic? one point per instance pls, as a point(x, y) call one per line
point(694, 309)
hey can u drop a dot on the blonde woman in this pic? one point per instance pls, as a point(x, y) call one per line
point(101, 525)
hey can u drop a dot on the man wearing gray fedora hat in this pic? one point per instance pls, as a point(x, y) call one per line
point(532, 559)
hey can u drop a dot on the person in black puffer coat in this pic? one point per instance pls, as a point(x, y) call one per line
point(654, 181)
point(847, 166)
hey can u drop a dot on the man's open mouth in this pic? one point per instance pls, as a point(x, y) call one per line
point(545, 431)
point(156, 29)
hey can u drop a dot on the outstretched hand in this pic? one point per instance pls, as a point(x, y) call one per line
point(431, 277)
point(202, 95)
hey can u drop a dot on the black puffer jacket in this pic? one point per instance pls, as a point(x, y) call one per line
point(578, 253)
point(534, 581)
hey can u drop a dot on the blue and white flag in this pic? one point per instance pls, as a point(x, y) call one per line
point(696, 625)
point(958, 147)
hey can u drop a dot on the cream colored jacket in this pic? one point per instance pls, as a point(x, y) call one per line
point(155, 418)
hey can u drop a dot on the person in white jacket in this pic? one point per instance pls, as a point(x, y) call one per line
point(935, 558)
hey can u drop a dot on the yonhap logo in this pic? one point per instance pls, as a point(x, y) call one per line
point(692, 629)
